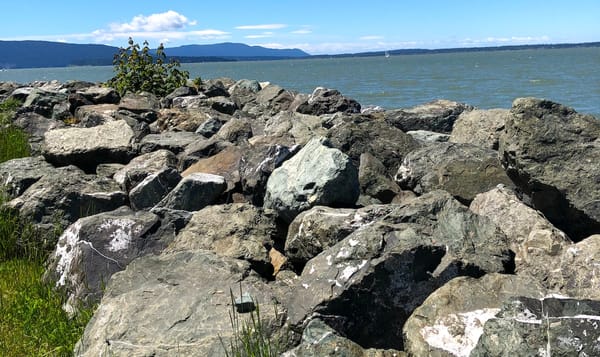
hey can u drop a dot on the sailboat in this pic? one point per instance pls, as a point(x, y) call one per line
point(387, 54)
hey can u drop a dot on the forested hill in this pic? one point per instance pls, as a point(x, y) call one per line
point(35, 54)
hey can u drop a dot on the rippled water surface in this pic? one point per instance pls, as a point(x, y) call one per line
point(483, 79)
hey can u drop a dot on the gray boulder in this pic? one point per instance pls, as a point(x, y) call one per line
point(209, 127)
point(194, 192)
point(297, 128)
point(451, 320)
point(17, 175)
point(257, 164)
point(359, 134)
point(318, 340)
point(574, 272)
point(176, 119)
point(320, 228)
point(328, 101)
point(201, 149)
point(464, 170)
point(368, 284)
point(374, 180)
point(316, 175)
point(88, 147)
point(174, 141)
point(552, 153)
point(225, 163)
point(480, 127)
point(536, 242)
point(100, 95)
point(141, 166)
point(139, 102)
point(67, 194)
point(244, 91)
point(36, 126)
point(43, 102)
point(93, 115)
point(438, 116)
point(181, 306)
point(153, 188)
point(236, 131)
point(426, 136)
point(270, 100)
point(552, 326)
point(92, 249)
point(237, 230)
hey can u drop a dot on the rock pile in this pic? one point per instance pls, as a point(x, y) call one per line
point(438, 230)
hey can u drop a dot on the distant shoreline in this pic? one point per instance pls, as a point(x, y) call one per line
point(83, 60)
point(421, 51)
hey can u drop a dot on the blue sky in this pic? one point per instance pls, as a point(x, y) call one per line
point(317, 27)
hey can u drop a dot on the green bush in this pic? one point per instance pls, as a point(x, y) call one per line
point(137, 70)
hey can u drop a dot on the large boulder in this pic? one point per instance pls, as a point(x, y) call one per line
point(44, 102)
point(360, 134)
point(225, 163)
point(438, 115)
point(92, 249)
point(375, 181)
point(142, 166)
point(451, 320)
point(480, 127)
point(88, 147)
point(552, 153)
point(318, 340)
point(575, 272)
point(181, 305)
point(328, 101)
point(36, 126)
point(297, 128)
point(257, 164)
point(235, 230)
point(320, 228)
point(367, 285)
point(316, 175)
point(551, 326)
point(194, 192)
point(153, 188)
point(174, 141)
point(67, 194)
point(464, 170)
point(536, 242)
point(17, 175)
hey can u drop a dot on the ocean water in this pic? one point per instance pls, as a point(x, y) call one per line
point(482, 79)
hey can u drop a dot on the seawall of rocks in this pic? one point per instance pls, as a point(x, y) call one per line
point(440, 230)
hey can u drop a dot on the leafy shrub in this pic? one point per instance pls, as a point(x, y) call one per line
point(137, 70)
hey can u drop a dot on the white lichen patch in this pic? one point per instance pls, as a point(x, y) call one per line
point(329, 261)
point(353, 242)
point(66, 251)
point(458, 333)
point(350, 270)
point(122, 232)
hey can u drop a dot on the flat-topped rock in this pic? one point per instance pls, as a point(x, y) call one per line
point(87, 147)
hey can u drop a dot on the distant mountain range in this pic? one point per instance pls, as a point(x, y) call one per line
point(36, 54)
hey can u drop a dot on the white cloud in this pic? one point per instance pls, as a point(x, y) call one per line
point(261, 35)
point(302, 32)
point(516, 40)
point(371, 38)
point(165, 21)
point(261, 27)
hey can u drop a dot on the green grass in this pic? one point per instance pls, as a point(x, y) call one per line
point(32, 322)
point(13, 141)
point(250, 337)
